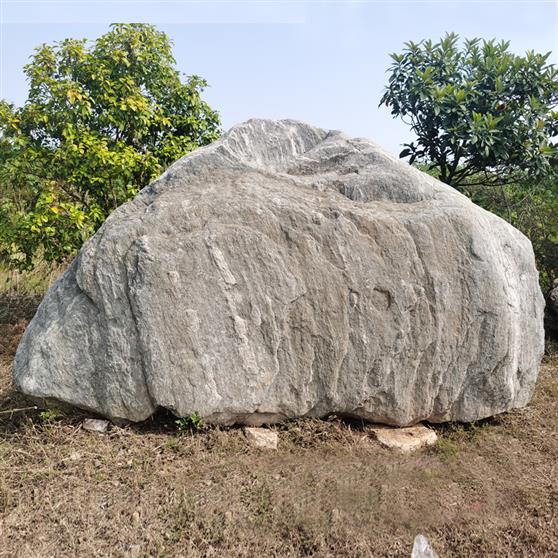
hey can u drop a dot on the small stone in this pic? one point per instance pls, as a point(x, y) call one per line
point(75, 456)
point(262, 438)
point(95, 425)
point(422, 548)
point(406, 439)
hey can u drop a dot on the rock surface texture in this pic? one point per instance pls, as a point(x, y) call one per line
point(288, 271)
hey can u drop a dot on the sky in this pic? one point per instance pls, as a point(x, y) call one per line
point(323, 62)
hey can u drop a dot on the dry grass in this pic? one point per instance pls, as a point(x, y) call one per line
point(486, 490)
point(33, 282)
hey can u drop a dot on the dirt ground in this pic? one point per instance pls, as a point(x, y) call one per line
point(488, 489)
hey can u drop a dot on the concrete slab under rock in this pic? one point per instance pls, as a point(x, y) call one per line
point(406, 439)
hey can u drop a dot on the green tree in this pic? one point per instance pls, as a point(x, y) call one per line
point(101, 121)
point(481, 114)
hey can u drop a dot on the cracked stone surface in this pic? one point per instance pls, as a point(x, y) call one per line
point(289, 271)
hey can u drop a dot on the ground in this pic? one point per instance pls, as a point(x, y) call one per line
point(488, 489)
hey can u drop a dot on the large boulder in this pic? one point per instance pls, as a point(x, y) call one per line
point(288, 271)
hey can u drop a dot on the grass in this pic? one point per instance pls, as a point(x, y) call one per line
point(21, 291)
point(487, 489)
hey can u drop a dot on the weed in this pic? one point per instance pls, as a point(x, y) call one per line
point(50, 415)
point(190, 422)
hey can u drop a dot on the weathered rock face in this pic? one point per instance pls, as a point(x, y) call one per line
point(289, 271)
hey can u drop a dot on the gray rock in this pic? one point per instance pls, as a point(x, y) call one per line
point(288, 271)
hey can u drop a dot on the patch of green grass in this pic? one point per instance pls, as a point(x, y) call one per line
point(463, 433)
point(454, 436)
point(446, 448)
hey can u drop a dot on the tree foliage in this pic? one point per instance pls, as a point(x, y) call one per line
point(481, 114)
point(100, 122)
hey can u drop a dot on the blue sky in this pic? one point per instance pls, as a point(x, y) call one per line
point(323, 62)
